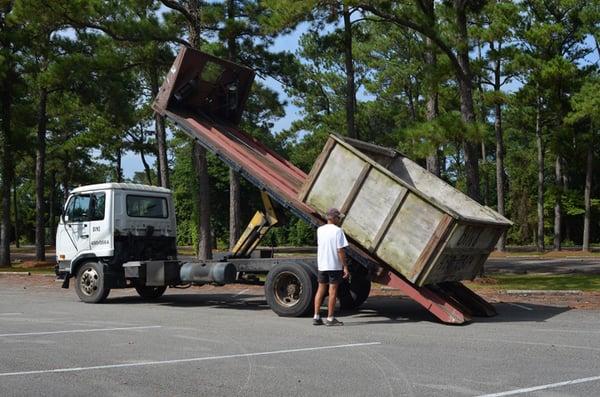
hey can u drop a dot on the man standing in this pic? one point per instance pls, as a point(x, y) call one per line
point(332, 265)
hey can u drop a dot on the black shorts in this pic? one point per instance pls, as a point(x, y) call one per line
point(330, 276)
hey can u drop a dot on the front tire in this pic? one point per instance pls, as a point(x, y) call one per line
point(290, 290)
point(149, 293)
point(90, 286)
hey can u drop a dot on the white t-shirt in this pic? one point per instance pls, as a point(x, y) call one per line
point(330, 238)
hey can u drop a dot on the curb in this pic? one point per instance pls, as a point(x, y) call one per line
point(26, 274)
point(16, 273)
point(541, 292)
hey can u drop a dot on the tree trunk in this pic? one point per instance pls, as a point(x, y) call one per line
point(500, 175)
point(40, 165)
point(483, 119)
point(433, 161)
point(146, 166)
point(411, 103)
point(234, 208)
point(51, 209)
point(66, 180)
point(432, 106)
point(161, 137)
point(199, 153)
point(204, 237)
point(587, 199)
point(119, 169)
point(161, 141)
point(16, 210)
point(350, 85)
point(467, 110)
point(558, 204)
point(484, 176)
point(234, 178)
point(157, 165)
point(7, 171)
point(540, 181)
point(470, 148)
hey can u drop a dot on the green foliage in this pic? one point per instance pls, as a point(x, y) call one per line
point(102, 62)
point(184, 194)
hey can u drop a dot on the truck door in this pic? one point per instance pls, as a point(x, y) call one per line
point(77, 223)
point(100, 231)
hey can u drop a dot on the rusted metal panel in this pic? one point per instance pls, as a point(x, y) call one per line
point(200, 83)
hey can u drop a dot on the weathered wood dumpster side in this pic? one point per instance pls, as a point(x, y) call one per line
point(422, 227)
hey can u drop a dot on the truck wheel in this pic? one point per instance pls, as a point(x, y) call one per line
point(355, 291)
point(90, 283)
point(290, 290)
point(150, 292)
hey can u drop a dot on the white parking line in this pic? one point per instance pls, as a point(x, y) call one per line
point(10, 314)
point(185, 360)
point(74, 331)
point(542, 387)
point(548, 344)
point(520, 306)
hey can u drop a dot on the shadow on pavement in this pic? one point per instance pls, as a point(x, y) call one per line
point(225, 301)
point(393, 309)
point(400, 309)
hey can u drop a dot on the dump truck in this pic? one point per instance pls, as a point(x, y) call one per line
point(408, 229)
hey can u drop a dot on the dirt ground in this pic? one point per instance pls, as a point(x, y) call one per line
point(573, 299)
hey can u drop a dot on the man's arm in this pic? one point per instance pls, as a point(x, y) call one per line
point(342, 256)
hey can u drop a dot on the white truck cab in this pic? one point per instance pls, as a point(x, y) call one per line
point(105, 226)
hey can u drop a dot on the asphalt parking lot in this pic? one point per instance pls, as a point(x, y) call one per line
point(227, 342)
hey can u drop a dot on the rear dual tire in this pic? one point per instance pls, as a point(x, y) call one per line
point(290, 289)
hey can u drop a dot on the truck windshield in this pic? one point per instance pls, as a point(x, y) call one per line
point(77, 210)
point(147, 207)
point(86, 207)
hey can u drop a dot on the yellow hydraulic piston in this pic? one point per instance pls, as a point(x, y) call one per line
point(259, 225)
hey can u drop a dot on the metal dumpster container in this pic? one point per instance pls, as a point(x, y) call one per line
point(419, 225)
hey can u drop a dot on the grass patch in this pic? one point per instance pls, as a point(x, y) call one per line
point(565, 254)
point(32, 270)
point(583, 282)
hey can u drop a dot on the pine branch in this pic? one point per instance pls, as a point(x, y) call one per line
point(424, 30)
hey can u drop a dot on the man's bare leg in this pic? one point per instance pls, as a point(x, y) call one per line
point(332, 298)
point(319, 297)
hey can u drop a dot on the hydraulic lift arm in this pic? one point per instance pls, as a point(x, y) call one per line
point(258, 227)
